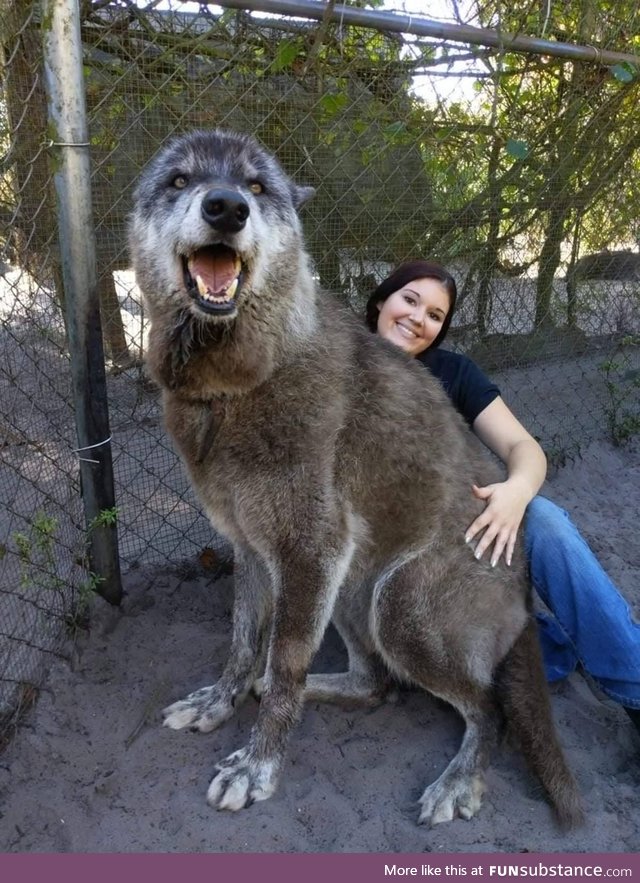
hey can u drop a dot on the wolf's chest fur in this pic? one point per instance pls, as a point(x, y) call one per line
point(250, 456)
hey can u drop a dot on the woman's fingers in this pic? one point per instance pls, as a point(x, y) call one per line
point(511, 545)
point(501, 537)
point(482, 493)
point(485, 518)
point(481, 522)
point(496, 539)
point(485, 540)
point(497, 527)
point(498, 549)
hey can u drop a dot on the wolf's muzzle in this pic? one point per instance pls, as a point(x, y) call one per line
point(225, 210)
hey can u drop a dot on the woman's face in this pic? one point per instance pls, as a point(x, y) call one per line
point(412, 317)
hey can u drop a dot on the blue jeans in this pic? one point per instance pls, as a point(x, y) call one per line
point(591, 622)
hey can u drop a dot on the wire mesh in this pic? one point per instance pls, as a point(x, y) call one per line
point(519, 172)
point(41, 542)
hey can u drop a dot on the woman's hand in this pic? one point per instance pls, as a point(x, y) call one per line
point(505, 501)
point(497, 527)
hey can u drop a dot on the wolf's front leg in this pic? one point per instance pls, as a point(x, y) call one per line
point(252, 773)
point(209, 707)
point(306, 595)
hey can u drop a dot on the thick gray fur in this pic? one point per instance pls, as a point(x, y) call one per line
point(341, 474)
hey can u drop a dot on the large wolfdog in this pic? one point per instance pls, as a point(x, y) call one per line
point(342, 476)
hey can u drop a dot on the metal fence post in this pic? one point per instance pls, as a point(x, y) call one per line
point(70, 146)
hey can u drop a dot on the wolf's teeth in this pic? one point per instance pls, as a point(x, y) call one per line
point(202, 288)
point(237, 263)
point(231, 290)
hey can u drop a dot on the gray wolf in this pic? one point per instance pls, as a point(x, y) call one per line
point(340, 474)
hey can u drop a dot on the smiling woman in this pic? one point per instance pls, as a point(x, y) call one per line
point(413, 316)
point(427, 285)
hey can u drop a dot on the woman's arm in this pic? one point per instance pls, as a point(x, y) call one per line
point(506, 501)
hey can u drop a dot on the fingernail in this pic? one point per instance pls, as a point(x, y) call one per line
point(493, 563)
point(508, 562)
point(476, 554)
point(467, 539)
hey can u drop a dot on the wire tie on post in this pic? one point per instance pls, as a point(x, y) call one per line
point(68, 144)
point(88, 448)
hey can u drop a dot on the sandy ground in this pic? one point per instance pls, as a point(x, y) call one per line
point(92, 770)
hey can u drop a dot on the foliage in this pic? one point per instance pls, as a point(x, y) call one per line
point(36, 551)
point(623, 415)
point(571, 124)
point(105, 518)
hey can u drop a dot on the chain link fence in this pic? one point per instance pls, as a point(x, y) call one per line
point(517, 170)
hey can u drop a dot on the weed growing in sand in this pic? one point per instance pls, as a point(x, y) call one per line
point(105, 518)
point(78, 618)
point(89, 587)
point(622, 383)
point(559, 452)
point(35, 550)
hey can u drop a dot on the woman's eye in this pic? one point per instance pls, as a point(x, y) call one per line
point(409, 300)
point(179, 182)
point(256, 187)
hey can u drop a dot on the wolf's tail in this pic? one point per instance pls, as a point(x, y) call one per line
point(522, 692)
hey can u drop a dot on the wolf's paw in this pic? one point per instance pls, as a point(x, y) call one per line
point(241, 781)
point(445, 800)
point(203, 710)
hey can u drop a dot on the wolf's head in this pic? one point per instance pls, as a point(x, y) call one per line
point(214, 218)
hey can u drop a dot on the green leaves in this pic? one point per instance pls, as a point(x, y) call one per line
point(624, 72)
point(517, 149)
point(333, 102)
point(395, 129)
point(288, 51)
point(105, 518)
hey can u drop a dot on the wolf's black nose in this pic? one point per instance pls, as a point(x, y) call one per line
point(225, 210)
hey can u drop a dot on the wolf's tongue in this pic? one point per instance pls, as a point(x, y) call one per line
point(216, 266)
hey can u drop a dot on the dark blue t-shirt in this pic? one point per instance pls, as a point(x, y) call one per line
point(469, 389)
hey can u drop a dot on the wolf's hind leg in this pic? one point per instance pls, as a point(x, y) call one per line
point(345, 688)
point(209, 707)
point(342, 688)
point(366, 682)
point(440, 646)
point(458, 791)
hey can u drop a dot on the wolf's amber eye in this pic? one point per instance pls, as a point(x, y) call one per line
point(256, 187)
point(179, 182)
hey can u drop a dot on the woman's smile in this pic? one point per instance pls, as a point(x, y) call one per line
point(408, 332)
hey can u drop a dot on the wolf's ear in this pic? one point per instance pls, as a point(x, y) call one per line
point(301, 195)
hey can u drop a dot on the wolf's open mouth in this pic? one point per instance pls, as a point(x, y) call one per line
point(213, 277)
